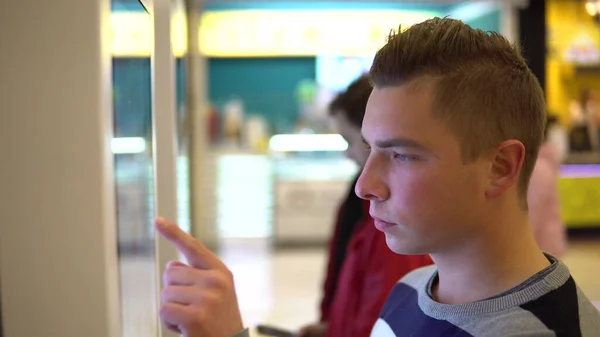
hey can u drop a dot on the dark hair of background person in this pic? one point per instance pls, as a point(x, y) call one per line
point(352, 103)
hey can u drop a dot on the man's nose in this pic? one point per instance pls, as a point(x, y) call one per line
point(370, 185)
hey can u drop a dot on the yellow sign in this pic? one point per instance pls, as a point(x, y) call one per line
point(248, 33)
point(578, 198)
point(255, 33)
point(132, 34)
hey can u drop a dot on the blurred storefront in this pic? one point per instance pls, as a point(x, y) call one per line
point(254, 155)
point(572, 69)
point(269, 70)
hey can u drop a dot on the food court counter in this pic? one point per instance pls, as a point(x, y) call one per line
point(579, 190)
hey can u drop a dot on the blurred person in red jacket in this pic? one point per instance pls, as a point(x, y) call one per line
point(543, 199)
point(361, 269)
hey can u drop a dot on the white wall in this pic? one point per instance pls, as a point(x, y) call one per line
point(57, 231)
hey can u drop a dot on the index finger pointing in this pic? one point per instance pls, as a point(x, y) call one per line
point(197, 255)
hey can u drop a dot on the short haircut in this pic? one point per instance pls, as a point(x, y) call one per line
point(353, 101)
point(482, 87)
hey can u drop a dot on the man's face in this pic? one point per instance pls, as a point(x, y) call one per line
point(423, 197)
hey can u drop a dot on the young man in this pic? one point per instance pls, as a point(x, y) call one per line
point(454, 123)
point(361, 269)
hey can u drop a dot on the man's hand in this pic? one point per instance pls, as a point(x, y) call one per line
point(313, 330)
point(198, 300)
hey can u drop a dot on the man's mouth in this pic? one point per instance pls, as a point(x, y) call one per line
point(382, 225)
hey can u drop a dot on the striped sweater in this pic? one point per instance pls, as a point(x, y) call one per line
point(547, 304)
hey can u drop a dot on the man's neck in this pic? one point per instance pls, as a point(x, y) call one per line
point(502, 257)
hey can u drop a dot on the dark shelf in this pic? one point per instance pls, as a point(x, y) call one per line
point(588, 70)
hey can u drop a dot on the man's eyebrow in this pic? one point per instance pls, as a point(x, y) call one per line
point(398, 142)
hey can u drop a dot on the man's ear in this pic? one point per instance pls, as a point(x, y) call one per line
point(505, 170)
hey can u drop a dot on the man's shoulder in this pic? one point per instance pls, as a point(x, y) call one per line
point(589, 315)
point(402, 306)
point(559, 309)
point(406, 291)
point(403, 314)
point(564, 311)
point(551, 305)
point(418, 277)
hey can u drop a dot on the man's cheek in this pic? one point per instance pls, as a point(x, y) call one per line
point(417, 187)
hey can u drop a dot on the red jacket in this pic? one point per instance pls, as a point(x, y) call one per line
point(368, 273)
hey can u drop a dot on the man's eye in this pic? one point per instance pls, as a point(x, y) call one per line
point(406, 157)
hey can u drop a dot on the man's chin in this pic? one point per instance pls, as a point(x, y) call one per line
point(403, 248)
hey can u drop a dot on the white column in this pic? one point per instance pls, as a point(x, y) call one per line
point(202, 164)
point(164, 132)
point(510, 18)
point(58, 247)
point(509, 21)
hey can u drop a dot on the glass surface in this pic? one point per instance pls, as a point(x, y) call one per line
point(132, 148)
point(179, 45)
point(132, 24)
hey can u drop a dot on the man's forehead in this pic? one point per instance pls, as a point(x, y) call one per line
point(396, 112)
point(395, 105)
point(419, 88)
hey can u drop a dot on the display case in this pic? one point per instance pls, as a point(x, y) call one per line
point(579, 189)
point(243, 194)
point(311, 177)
